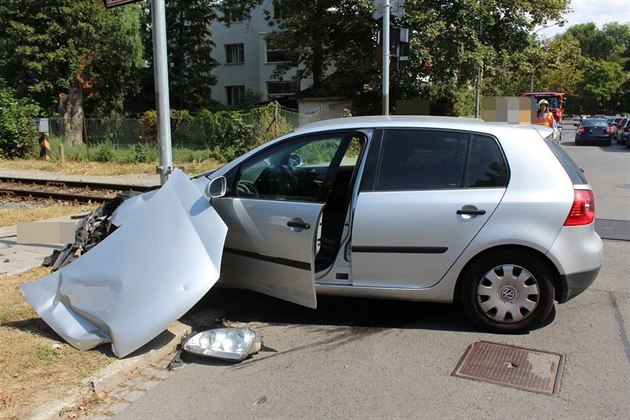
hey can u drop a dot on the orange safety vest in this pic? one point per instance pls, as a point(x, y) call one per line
point(546, 119)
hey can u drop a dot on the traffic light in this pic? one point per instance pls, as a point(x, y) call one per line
point(398, 47)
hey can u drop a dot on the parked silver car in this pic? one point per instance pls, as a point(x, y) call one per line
point(428, 209)
point(497, 217)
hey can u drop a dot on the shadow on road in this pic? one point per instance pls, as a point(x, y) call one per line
point(246, 306)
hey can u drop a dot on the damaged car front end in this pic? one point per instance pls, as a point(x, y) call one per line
point(148, 272)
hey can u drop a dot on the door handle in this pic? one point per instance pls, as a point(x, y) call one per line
point(298, 223)
point(471, 211)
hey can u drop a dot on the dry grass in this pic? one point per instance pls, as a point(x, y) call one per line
point(10, 216)
point(36, 365)
point(79, 168)
point(97, 168)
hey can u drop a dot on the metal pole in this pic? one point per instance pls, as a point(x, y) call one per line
point(160, 60)
point(386, 10)
point(478, 93)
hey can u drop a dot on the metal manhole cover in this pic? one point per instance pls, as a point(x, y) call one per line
point(613, 229)
point(516, 367)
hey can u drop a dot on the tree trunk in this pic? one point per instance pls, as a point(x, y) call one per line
point(71, 110)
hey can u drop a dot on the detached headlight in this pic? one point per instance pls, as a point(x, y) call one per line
point(225, 343)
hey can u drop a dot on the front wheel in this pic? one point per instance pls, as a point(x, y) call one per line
point(507, 292)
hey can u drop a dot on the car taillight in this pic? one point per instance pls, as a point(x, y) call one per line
point(583, 209)
point(580, 130)
point(607, 131)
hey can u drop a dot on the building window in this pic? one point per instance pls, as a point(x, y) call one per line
point(282, 88)
point(234, 53)
point(235, 94)
point(277, 9)
point(275, 52)
point(233, 17)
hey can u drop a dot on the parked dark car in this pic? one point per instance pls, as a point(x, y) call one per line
point(595, 131)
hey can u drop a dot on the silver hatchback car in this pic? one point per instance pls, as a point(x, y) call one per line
point(497, 217)
point(426, 209)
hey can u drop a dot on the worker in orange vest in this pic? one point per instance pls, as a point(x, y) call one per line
point(545, 117)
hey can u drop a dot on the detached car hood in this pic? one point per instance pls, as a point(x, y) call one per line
point(162, 260)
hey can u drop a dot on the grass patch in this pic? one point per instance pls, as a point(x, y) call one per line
point(36, 365)
point(191, 167)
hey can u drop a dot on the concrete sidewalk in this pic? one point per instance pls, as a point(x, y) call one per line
point(16, 258)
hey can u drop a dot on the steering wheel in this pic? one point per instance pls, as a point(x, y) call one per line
point(246, 189)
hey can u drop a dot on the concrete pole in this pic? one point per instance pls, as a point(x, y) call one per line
point(160, 60)
point(386, 10)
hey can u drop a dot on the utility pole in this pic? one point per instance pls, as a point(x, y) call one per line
point(386, 52)
point(160, 60)
point(160, 68)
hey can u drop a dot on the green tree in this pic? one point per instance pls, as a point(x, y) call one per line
point(611, 43)
point(601, 88)
point(453, 41)
point(189, 45)
point(62, 52)
point(560, 66)
point(17, 133)
point(593, 42)
point(619, 34)
point(450, 42)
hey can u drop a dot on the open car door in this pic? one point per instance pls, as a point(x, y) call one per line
point(274, 213)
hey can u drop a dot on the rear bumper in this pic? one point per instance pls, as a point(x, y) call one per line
point(576, 283)
point(577, 254)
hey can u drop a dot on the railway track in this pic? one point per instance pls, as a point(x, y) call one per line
point(60, 190)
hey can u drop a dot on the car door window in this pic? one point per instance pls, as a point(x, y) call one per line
point(295, 170)
point(421, 159)
point(431, 159)
point(486, 166)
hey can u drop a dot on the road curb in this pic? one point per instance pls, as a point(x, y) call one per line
point(158, 353)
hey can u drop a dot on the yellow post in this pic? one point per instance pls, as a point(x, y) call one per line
point(44, 147)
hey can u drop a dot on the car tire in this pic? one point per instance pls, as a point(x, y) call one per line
point(507, 292)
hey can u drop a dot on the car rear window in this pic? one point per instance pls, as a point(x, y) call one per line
point(596, 123)
point(570, 167)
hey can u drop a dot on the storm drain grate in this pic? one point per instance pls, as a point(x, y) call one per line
point(516, 367)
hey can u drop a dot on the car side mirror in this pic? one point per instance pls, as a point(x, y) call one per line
point(217, 187)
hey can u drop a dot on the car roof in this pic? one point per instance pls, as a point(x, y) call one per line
point(416, 121)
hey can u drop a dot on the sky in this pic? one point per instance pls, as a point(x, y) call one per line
point(598, 11)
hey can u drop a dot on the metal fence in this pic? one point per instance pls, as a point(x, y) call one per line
point(189, 133)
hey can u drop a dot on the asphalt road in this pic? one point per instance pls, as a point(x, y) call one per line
point(372, 359)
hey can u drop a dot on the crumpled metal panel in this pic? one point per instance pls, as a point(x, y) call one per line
point(149, 272)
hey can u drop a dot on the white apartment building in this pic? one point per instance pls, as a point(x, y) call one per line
point(247, 60)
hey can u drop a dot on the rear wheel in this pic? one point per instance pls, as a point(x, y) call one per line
point(507, 292)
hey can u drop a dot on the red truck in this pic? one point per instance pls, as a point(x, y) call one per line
point(556, 102)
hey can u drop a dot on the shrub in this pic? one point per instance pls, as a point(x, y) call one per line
point(227, 133)
point(17, 133)
point(104, 152)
